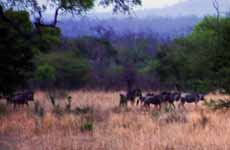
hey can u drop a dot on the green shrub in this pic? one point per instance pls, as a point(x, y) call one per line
point(87, 126)
point(67, 68)
point(217, 104)
point(168, 108)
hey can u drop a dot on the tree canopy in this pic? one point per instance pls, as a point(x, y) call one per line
point(21, 39)
point(16, 53)
point(199, 61)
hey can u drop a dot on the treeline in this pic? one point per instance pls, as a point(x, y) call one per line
point(198, 62)
point(97, 63)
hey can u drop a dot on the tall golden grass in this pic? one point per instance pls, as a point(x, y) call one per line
point(114, 128)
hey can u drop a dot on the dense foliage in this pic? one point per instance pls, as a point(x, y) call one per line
point(16, 53)
point(199, 61)
point(62, 69)
point(20, 40)
point(36, 52)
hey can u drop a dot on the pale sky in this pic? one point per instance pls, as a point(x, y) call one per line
point(158, 3)
point(146, 4)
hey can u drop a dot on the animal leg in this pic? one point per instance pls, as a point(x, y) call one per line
point(196, 103)
point(27, 104)
point(172, 104)
point(182, 105)
point(160, 106)
point(138, 102)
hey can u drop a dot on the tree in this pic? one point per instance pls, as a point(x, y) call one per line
point(62, 70)
point(75, 7)
point(16, 53)
point(19, 40)
point(200, 61)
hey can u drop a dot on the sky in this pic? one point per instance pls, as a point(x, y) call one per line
point(158, 3)
point(146, 4)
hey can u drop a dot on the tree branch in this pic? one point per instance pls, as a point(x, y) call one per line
point(56, 16)
point(38, 23)
point(217, 8)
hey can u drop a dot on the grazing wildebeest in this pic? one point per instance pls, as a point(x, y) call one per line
point(156, 100)
point(171, 97)
point(191, 98)
point(142, 99)
point(29, 95)
point(131, 95)
point(20, 98)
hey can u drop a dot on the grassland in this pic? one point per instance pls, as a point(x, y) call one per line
point(97, 123)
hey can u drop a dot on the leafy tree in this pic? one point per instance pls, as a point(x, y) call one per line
point(16, 53)
point(199, 61)
point(63, 69)
point(75, 7)
point(17, 34)
point(46, 73)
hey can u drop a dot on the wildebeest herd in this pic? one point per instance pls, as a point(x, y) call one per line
point(157, 99)
point(133, 96)
point(20, 98)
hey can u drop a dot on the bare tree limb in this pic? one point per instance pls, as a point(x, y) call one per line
point(216, 6)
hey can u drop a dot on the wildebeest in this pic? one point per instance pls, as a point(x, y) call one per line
point(123, 100)
point(21, 98)
point(191, 98)
point(155, 100)
point(171, 97)
point(133, 94)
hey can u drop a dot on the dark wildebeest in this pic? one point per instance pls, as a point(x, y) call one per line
point(123, 100)
point(156, 100)
point(29, 95)
point(191, 98)
point(141, 98)
point(170, 98)
point(21, 98)
point(131, 95)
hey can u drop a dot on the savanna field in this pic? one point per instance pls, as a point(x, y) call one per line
point(96, 122)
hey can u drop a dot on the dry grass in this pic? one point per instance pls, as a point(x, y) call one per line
point(114, 128)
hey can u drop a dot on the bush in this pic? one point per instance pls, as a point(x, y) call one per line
point(87, 126)
point(69, 70)
point(218, 104)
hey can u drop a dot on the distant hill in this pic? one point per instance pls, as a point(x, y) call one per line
point(160, 26)
point(172, 21)
point(188, 8)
